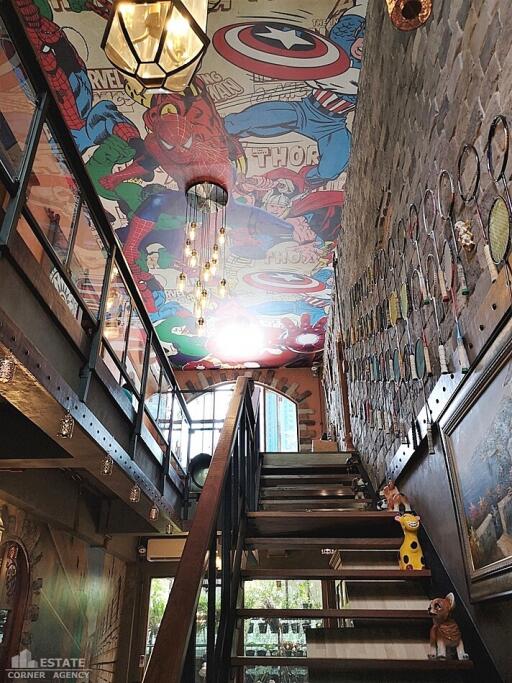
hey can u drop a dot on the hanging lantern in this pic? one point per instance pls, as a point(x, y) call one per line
point(107, 466)
point(159, 44)
point(192, 233)
point(66, 426)
point(134, 494)
point(7, 369)
point(408, 15)
point(154, 513)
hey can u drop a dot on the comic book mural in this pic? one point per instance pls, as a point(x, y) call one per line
point(269, 117)
point(74, 595)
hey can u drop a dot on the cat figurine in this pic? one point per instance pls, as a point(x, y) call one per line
point(445, 632)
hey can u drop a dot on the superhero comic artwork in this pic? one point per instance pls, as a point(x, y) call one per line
point(268, 116)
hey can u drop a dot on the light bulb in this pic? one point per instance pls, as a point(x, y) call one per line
point(188, 248)
point(177, 26)
point(198, 289)
point(192, 231)
point(204, 297)
point(66, 426)
point(7, 369)
point(213, 268)
point(215, 251)
point(107, 466)
point(154, 513)
point(201, 323)
point(222, 288)
point(222, 235)
point(193, 258)
point(182, 281)
point(198, 309)
point(206, 271)
point(134, 493)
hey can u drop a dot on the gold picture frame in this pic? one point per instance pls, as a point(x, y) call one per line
point(476, 430)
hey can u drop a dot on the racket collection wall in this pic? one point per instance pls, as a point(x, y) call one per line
point(423, 274)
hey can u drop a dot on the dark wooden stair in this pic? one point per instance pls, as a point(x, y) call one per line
point(380, 631)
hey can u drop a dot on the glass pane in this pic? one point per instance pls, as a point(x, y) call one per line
point(180, 435)
point(286, 594)
point(196, 407)
point(158, 596)
point(137, 338)
point(17, 105)
point(222, 398)
point(287, 425)
point(117, 315)
point(52, 194)
point(153, 385)
point(33, 243)
point(271, 423)
point(111, 365)
point(88, 261)
point(165, 406)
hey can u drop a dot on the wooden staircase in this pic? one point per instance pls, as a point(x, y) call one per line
point(375, 625)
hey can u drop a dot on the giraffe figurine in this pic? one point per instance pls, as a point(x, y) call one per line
point(411, 554)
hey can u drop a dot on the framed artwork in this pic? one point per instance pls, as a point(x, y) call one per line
point(477, 436)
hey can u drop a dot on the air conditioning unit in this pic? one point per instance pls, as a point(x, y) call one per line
point(165, 549)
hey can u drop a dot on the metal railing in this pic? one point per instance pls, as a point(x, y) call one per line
point(211, 560)
point(151, 395)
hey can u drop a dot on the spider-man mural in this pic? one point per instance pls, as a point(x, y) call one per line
point(187, 139)
point(67, 76)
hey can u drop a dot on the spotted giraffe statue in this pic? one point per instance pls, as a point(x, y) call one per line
point(411, 554)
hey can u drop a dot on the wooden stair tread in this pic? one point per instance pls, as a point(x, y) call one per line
point(343, 543)
point(334, 614)
point(356, 523)
point(357, 664)
point(321, 500)
point(344, 573)
point(301, 479)
point(299, 491)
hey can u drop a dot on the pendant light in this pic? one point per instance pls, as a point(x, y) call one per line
point(159, 44)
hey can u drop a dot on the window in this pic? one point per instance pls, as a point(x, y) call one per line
point(158, 595)
point(278, 420)
point(17, 106)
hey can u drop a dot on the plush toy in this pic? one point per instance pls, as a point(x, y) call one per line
point(359, 487)
point(445, 632)
point(411, 554)
point(392, 499)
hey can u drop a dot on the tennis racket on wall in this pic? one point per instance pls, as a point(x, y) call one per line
point(445, 203)
point(429, 213)
point(414, 235)
point(468, 183)
point(499, 222)
point(435, 296)
point(450, 273)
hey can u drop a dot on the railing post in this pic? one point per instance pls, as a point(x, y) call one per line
point(94, 351)
point(139, 418)
point(212, 594)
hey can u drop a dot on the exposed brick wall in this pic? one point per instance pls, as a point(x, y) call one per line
point(299, 384)
point(422, 96)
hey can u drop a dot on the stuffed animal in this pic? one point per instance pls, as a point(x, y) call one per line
point(392, 499)
point(411, 554)
point(359, 487)
point(445, 632)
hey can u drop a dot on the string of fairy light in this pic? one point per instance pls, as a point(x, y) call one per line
point(204, 250)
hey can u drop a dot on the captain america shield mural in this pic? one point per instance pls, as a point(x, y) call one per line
point(268, 117)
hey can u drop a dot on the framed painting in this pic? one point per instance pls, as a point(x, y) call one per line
point(477, 438)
